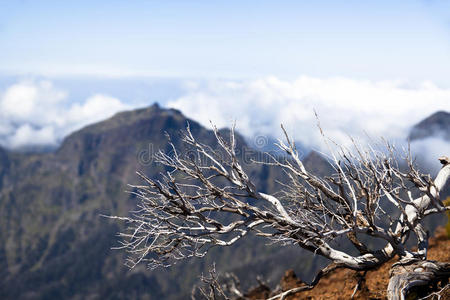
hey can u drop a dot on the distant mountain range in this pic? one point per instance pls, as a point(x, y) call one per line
point(55, 245)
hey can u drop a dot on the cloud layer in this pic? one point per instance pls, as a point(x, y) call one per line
point(345, 106)
point(35, 113)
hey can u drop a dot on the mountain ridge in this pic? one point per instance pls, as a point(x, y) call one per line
point(437, 124)
point(57, 246)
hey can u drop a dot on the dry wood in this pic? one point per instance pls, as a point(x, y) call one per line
point(207, 200)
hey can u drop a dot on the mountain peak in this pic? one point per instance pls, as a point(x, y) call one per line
point(53, 203)
point(128, 135)
point(129, 123)
point(438, 124)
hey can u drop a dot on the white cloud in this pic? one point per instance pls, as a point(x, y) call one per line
point(25, 135)
point(345, 106)
point(26, 101)
point(94, 109)
point(36, 113)
point(430, 149)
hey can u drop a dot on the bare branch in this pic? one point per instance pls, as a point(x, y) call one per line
point(207, 199)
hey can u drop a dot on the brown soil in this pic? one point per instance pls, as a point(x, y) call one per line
point(341, 283)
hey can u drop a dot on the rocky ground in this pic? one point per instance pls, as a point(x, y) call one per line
point(341, 283)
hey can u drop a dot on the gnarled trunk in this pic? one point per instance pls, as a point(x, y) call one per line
point(416, 276)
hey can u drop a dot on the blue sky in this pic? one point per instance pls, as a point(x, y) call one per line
point(227, 39)
point(373, 66)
